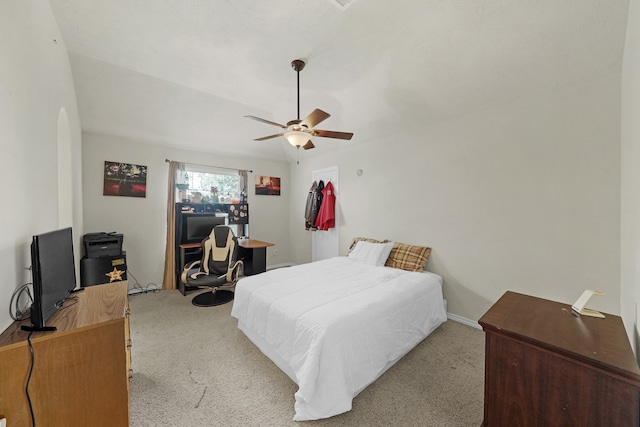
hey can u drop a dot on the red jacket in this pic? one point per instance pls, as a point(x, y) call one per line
point(327, 216)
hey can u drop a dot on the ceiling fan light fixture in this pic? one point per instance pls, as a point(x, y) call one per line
point(296, 138)
point(299, 132)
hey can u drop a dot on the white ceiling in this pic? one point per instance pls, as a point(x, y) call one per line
point(185, 72)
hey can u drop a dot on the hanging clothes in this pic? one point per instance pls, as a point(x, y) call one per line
point(317, 206)
point(327, 216)
point(312, 207)
point(320, 196)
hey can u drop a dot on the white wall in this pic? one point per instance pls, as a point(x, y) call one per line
point(524, 197)
point(143, 220)
point(630, 177)
point(35, 83)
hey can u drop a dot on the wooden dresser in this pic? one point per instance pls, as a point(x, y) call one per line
point(81, 371)
point(545, 366)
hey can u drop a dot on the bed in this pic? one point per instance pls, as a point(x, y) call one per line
point(334, 326)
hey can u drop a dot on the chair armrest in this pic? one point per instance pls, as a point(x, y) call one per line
point(234, 271)
point(183, 276)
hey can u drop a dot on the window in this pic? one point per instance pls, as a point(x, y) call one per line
point(208, 185)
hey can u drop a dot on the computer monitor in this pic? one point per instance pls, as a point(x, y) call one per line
point(197, 226)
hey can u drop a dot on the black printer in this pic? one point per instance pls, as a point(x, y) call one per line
point(98, 245)
point(104, 260)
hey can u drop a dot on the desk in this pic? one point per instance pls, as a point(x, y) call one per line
point(184, 247)
point(254, 255)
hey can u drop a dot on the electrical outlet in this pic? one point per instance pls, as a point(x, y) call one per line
point(3, 422)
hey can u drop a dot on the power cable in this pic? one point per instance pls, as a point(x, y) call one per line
point(33, 358)
point(146, 288)
point(15, 312)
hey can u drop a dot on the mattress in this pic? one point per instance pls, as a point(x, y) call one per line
point(334, 326)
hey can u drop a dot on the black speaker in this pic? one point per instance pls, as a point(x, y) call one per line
point(106, 269)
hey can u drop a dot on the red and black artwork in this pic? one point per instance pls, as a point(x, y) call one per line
point(124, 179)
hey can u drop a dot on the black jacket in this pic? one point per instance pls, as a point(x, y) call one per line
point(314, 199)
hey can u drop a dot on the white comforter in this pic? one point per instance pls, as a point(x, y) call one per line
point(334, 326)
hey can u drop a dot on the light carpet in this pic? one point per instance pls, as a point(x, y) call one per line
point(192, 366)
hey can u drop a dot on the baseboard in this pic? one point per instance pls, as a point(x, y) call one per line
point(284, 264)
point(463, 320)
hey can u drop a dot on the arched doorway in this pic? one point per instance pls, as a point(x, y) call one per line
point(65, 171)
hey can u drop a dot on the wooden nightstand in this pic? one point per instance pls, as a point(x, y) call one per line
point(546, 366)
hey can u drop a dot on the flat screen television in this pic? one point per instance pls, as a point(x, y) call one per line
point(197, 226)
point(54, 275)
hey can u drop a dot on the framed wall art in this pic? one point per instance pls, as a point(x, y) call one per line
point(267, 185)
point(124, 179)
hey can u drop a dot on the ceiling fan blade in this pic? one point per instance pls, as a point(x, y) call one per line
point(269, 137)
point(267, 121)
point(309, 145)
point(332, 134)
point(317, 116)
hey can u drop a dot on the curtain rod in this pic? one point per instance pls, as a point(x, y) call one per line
point(210, 166)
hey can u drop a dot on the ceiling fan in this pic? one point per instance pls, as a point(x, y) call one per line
point(299, 132)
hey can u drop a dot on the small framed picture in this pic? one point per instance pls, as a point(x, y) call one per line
point(267, 185)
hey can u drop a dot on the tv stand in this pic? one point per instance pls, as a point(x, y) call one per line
point(81, 372)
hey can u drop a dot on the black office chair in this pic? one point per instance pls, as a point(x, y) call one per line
point(218, 270)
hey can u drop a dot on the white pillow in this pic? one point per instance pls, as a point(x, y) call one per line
point(371, 253)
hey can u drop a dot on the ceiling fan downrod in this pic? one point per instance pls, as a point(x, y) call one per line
point(298, 65)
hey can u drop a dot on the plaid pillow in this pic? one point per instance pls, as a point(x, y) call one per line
point(366, 239)
point(408, 257)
